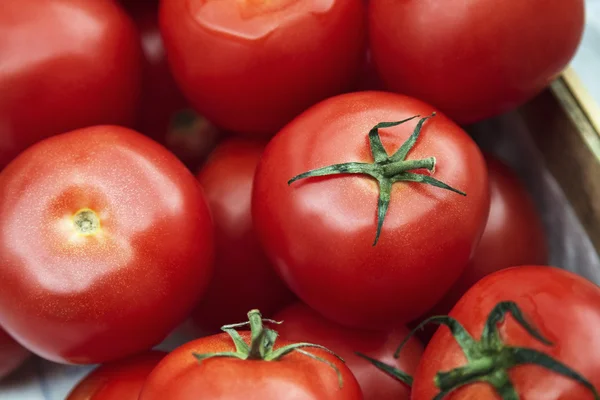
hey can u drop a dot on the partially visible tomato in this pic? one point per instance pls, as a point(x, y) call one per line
point(106, 245)
point(243, 276)
point(320, 232)
point(252, 66)
point(119, 380)
point(513, 236)
point(254, 366)
point(12, 354)
point(64, 64)
point(161, 97)
point(495, 354)
point(473, 59)
point(302, 324)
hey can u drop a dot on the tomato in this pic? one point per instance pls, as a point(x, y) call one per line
point(563, 308)
point(12, 354)
point(319, 231)
point(250, 366)
point(473, 59)
point(119, 380)
point(252, 66)
point(243, 275)
point(106, 243)
point(64, 64)
point(513, 235)
point(300, 323)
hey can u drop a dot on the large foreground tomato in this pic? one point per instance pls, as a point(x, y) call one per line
point(252, 66)
point(302, 324)
point(12, 354)
point(513, 235)
point(319, 232)
point(119, 380)
point(510, 357)
point(64, 64)
point(243, 276)
point(473, 59)
point(250, 366)
point(105, 242)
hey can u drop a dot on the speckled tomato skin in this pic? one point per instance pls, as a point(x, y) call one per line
point(90, 299)
point(64, 65)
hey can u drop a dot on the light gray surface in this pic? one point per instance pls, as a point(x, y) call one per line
point(505, 136)
point(587, 59)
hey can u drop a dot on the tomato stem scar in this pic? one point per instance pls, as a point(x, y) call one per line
point(86, 222)
point(387, 169)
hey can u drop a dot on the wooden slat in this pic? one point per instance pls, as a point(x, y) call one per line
point(570, 143)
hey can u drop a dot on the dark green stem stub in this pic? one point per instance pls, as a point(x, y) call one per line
point(262, 344)
point(387, 169)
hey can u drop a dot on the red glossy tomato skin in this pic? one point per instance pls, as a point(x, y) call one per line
point(319, 232)
point(563, 306)
point(12, 354)
point(250, 67)
point(119, 380)
point(179, 376)
point(471, 59)
point(243, 276)
point(77, 298)
point(301, 324)
point(64, 65)
point(513, 235)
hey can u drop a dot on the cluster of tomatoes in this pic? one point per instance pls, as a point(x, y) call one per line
point(341, 196)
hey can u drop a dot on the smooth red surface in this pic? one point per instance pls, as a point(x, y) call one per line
point(180, 376)
point(473, 59)
point(243, 278)
point(93, 298)
point(302, 324)
point(64, 64)
point(119, 380)
point(513, 236)
point(563, 306)
point(251, 66)
point(319, 232)
point(12, 354)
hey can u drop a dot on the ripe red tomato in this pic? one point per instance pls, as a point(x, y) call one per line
point(243, 276)
point(565, 309)
point(215, 367)
point(252, 66)
point(473, 59)
point(12, 354)
point(319, 232)
point(302, 324)
point(64, 64)
point(106, 243)
point(513, 235)
point(119, 380)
